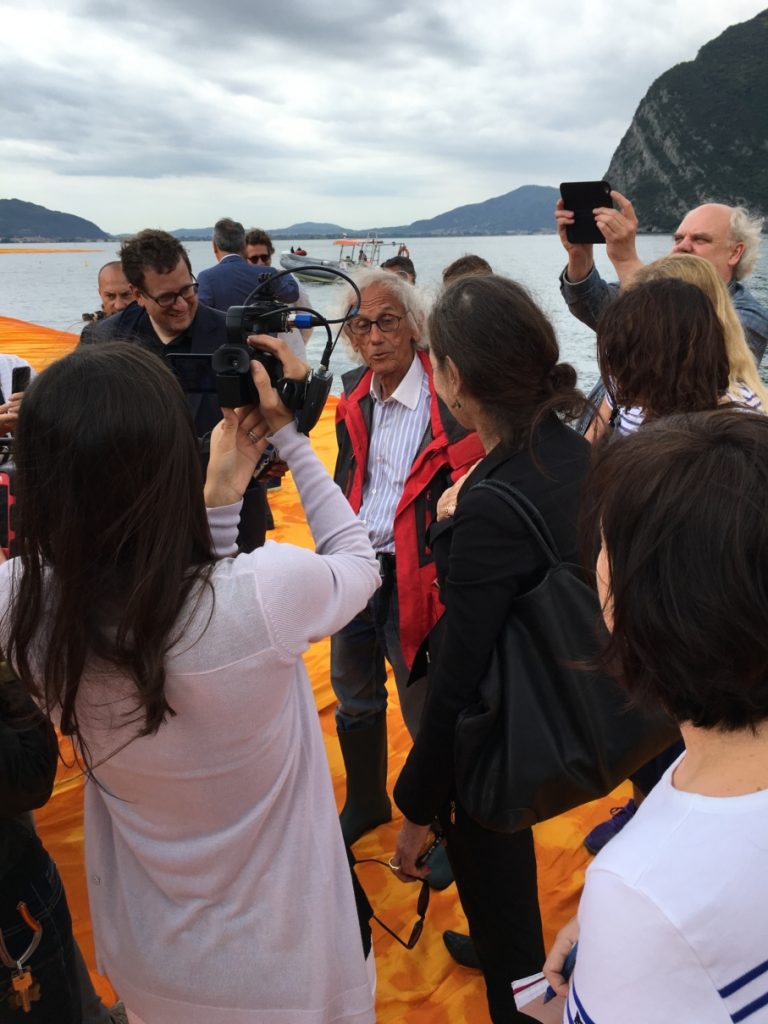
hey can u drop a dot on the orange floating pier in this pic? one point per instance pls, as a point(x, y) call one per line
point(9, 250)
point(423, 985)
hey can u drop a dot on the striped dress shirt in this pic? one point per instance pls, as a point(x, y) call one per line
point(397, 429)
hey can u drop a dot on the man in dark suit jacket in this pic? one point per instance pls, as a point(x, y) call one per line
point(233, 279)
point(167, 318)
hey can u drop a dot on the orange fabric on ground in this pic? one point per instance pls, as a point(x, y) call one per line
point(12, 250)
point(423, 985)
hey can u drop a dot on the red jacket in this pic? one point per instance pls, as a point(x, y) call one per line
point(446, 452)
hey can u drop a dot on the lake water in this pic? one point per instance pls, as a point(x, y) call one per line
point(55, 288)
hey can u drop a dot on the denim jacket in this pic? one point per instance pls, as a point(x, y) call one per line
point(586, 300)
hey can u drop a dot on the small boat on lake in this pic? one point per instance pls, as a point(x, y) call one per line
point(355, 252)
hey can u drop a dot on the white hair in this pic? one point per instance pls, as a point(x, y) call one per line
point(747, 230)
point(411, 298)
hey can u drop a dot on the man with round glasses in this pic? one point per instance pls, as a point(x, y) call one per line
point(167, 317)
point(169, 320)
point(399, 449)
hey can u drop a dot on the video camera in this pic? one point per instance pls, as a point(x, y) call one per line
point(231, 362)
point(227, 372)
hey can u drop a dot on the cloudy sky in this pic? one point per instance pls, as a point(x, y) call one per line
point(172, 113)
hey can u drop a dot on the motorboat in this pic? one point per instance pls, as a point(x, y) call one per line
point(354, 252)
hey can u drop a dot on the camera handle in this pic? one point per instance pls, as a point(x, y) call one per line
point(317, 389)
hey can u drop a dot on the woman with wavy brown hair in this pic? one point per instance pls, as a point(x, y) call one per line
point(496, 364)
point(672, 349)
point(742, 369)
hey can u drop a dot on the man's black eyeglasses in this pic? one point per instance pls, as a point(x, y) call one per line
point(168, 299)
point(261, 258)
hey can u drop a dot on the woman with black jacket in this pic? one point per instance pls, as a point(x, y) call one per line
point(32, 898)
point(495, 360)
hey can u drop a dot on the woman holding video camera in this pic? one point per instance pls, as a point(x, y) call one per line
point(219, 885)
point(495, 361)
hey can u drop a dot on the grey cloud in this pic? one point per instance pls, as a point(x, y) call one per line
point(124, 131)
point(346, 30)
point(418, 105)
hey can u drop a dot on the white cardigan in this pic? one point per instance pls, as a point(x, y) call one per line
point(219, 886)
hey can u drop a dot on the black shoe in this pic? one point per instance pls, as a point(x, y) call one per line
point(364, 751)
point(440, 871)
point(462, 949)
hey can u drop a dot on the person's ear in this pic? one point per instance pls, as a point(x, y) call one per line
point(452, 373)
point(737, 251)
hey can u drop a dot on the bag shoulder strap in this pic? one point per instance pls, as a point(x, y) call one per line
point(532, 519)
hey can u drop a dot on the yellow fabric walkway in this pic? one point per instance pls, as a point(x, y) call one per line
point(423, 985)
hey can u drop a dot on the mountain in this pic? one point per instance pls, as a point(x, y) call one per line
point(28, 222)
point(309, 228)
point(526, 210)
point(193, 234)
point(700, 133)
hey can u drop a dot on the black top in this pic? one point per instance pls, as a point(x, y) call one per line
point(484, 558)
point(205, 334)
point(28, 756)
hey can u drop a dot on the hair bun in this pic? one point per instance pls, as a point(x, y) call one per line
point(562, 376)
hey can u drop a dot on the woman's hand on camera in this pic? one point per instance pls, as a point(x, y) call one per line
point(237, 444)
point(275, 413)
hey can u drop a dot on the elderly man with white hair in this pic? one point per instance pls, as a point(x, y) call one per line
point(399, 449)
point(726, 236)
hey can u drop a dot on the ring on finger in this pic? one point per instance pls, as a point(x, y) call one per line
point(255, 437)
point(395, 867)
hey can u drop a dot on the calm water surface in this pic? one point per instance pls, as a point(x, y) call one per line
point(55, 288)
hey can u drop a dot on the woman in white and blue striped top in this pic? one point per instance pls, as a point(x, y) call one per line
point(744, 385)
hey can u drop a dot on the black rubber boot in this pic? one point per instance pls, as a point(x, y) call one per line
point(365, 760)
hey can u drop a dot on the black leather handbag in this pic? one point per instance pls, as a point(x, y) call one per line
point(548, 733)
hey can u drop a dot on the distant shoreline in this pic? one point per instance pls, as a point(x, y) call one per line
point(6, 243)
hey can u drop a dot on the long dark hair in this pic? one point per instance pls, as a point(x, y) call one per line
point(681, 507)
point(661, 346)
point(111, 527)
point(505, 349)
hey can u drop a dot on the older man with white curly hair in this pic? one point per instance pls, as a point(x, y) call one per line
point(726, 236)
point(399, 449)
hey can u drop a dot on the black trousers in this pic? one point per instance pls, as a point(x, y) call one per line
point(496, 881)
point(36, 881)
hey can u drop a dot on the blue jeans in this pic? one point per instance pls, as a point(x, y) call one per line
point(358, 671)
point(36, 881)
point(93, 1009)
